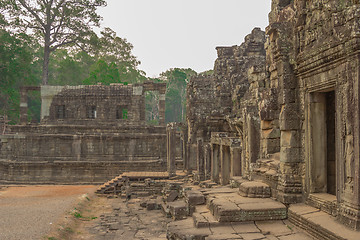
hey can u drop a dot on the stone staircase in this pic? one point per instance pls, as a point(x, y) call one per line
point(221, 206)
point(111, 186)
point(141, 183)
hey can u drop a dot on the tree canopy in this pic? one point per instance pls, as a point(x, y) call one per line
point(176, 79)
point(16, 69)
point(57, 22)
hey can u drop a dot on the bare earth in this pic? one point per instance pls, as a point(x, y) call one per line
point(29, 212)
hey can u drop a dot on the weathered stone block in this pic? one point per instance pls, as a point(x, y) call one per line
point(290, 154)
point(254, 190)
point(177, 210)
point(290, 139)
point(194, 197)
point(172, 196)
point(271, 133)
point(287, 96)
point(265, 125)
point(151, 205)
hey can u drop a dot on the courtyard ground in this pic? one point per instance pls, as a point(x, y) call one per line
point(75, 212)
point(31, 212)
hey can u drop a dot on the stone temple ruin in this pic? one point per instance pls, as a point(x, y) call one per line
point(283, 108)
point(87, 134)
point(278, 120)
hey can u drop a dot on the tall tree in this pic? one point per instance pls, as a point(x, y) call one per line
point(57, 22)
point(104, 73)
point(176, 79)
point(17, 68)
point(115, 50)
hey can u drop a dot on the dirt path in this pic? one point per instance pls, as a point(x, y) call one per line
point(29, 212)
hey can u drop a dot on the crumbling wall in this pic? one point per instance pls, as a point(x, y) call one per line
point(93, 104)
point(216, 103)
point(84, 134)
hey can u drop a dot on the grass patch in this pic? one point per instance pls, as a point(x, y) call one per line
point(69, 230)
point(71, 226)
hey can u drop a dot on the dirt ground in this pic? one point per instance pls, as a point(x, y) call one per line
point(31, 212)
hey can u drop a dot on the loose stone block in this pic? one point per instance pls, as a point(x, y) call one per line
point(178, 210)
point(194, 197)
point(255, 190)
point(172, 196)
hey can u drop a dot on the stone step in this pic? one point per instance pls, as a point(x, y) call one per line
point(203, 218)
point(319, 224)
point(236, 181)
point(194, 197)
point(207, 184)
point(140, 194)
point(184, 229)
point(253, 189)
point(177, 209)
point(275, 156)
point(109, 185)
point(234, 208)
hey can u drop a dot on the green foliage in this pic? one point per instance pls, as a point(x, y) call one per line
point(78, 55)
point(152, 107)
point(69, 230)
point(56, 23)
point(124, 114)
point(207, 73)
point(17, 68)
point(176, 79)
point(66, 69)
point(116, 51)
point(104, 73)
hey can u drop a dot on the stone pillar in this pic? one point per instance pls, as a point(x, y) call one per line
point(162, 109)
point(235, 157)
point(215, 152)
point(290, 178)
point(76, 147)
point(207, 161)
point(225, 165)
point(186, 156)
point(192, 156)
point(23, 106)
point(171, 149)
point(200, 160)
point(137, 113)
point(47, 95)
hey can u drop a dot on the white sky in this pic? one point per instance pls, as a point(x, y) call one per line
point(183, 33)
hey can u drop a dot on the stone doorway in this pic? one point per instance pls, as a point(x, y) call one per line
point(322, 142)
point(330, 140)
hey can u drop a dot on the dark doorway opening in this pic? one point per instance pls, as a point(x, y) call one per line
point(330, 142)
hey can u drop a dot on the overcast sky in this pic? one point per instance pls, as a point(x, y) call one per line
point(183, 33)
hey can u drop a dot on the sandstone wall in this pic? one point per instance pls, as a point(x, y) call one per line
point(298, 107)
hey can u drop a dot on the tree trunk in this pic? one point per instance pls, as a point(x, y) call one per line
point(47, 28)
point(45, 73)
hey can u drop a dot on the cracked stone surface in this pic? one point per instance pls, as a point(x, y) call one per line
point(128, 220)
